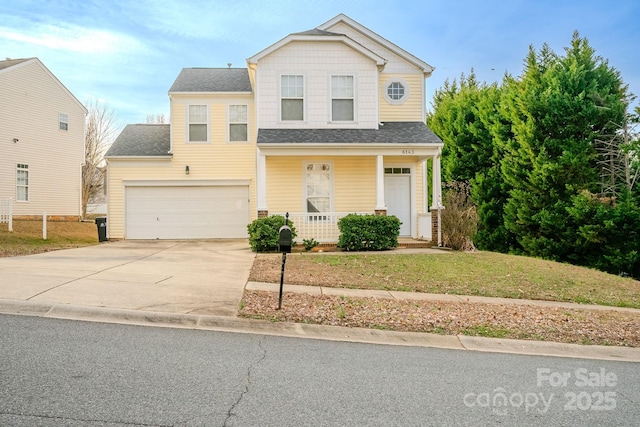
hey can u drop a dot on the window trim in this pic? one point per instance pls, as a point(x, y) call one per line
point(189, 123)
point(303, 98)
point(352, 98)
point(229, 123)
point(400, 81)
point(22, 167)
point(305, 196)
point(63, 121)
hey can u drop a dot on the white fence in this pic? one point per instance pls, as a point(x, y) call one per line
point(6, 213)
point(322, 227)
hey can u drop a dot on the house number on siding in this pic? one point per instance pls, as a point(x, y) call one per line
point(407, 151)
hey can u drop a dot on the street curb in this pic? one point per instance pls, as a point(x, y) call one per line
point(311, 331)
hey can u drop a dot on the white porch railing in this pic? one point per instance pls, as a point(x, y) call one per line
point(6, 212)
point(321, 226)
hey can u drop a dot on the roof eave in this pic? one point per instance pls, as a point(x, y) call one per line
point(157, 157)
point(426, 68)
point(200, 93)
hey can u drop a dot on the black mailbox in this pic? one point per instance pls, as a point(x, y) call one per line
point(285, 241)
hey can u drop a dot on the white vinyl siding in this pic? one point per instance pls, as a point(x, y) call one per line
point(22, 183)
point(29, 90)
point(342, 99)
point(198, 123)
point(292, 97)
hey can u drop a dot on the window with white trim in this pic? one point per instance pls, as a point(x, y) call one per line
point(238, 123)
point(342, 99)
point(63, 121)
point(396, 91)
point(198, 123)
point(292, 97)
point(22, 182)
point(318, 187)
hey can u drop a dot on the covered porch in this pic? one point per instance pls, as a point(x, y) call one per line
point(319, 176)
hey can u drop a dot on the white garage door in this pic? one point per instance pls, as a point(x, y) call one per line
point(202, 212)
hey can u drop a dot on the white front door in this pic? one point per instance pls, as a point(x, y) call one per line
point(397, 196)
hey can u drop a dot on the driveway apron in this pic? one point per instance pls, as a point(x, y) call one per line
point(195, 277)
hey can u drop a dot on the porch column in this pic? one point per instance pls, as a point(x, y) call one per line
point(425, 187)
point(437, 199)
point(381, 207)
point(261, 185)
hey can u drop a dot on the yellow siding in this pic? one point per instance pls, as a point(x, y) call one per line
point(411, 109)
point(218, 159)
point(354, 183)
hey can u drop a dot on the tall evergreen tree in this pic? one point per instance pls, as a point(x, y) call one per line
point(558, 108)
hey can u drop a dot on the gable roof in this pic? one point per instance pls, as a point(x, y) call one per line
point(212, 80)
point(318, 35)
point(11, 65)
point(11, 62)
point(141, 140)
point(342, 18)
point(388, 133)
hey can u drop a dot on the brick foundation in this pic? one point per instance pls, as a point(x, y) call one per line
point(263, 214)
point(381, 212)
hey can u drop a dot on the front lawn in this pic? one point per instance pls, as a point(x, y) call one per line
point(26, 237)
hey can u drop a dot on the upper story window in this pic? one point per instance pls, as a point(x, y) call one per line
point(292, 97)
point(238, 123)
point(342, 99)
point(396, 91)
point(22, 182)
point(198, 123)
point(63, 120)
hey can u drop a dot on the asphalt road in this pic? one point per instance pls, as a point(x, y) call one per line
point(71, 373)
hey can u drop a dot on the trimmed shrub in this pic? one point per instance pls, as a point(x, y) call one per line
point(368, 232)
point(263, 233)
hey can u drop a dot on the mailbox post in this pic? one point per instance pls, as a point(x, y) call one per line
point(285, 241)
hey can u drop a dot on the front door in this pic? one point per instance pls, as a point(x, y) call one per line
point(397, 196)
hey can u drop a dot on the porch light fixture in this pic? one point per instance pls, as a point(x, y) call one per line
point(186, 170)
point(15, 140)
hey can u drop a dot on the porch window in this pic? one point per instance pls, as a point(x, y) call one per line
point(292, 97)
point(198, 123)
point(342, 99)
point(318, 183)
point(22, 183)
point(238, 123)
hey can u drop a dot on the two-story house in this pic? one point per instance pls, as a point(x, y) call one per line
point(320, 124)
point(41, 142)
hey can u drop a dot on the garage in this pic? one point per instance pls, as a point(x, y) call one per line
point(186, 212)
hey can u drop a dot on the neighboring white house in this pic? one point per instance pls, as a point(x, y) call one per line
point(41, 141)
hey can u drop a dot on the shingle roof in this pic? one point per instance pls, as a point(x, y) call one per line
point(212, 80)
point(141, 140)
point(389, 132)
point(317, 32)
point(11, 62)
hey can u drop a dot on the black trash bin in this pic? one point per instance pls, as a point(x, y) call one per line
point(101, 223)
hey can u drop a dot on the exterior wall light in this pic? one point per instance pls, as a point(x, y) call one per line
point(186, 169)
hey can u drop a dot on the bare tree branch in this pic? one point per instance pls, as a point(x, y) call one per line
point(100, 130)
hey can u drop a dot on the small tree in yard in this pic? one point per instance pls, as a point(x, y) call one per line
point(100, 131)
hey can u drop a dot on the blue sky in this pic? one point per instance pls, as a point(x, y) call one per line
point(128, 53)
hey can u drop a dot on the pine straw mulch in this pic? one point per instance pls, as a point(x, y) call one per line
point(579, 326)
point(606, 327)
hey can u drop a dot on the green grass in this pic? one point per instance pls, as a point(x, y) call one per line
point(481, 274)
point(26, 237)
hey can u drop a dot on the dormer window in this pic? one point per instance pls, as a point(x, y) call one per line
point(396, 91)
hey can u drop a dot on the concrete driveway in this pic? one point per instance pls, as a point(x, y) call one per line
point(189, 277)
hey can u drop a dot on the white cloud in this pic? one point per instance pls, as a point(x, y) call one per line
point(71, 37)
